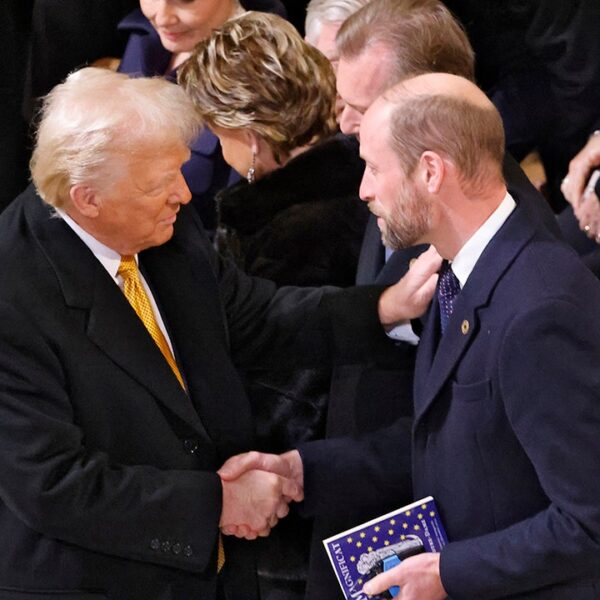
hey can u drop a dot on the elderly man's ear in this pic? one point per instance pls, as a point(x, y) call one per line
point(85, 200)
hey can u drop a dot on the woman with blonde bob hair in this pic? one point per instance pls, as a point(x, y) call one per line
point(161, 36)
point(269, 97)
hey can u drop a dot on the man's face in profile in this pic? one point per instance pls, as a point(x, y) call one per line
point(140, 209)
point(360, 80)
point(403, 211)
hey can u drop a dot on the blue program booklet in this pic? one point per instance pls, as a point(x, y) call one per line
point(364, 551)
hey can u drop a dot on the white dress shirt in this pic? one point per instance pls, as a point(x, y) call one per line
point(111, 260)
point(465, 260)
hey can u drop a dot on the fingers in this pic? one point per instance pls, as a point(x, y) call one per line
point(254, 502)
point(246, 532)
point(409, 298)
point(573, 185)
point(282, 510)
point(290, 490)
point(384, 581)
point(428, 262)
point(588, 215)
point(242, 463)
point(428, 288)
point(229, 530)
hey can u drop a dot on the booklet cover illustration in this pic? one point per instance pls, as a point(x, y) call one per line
point(366, 550)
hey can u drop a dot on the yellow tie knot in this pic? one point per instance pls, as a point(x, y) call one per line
point(128, 267)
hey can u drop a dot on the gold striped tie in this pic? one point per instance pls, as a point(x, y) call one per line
point(135, 293)
point(137, 297)
point(220, 554)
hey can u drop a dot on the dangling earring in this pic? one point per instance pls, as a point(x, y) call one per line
point(250, 176)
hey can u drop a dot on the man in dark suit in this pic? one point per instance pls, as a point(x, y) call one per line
point(503, 434)
point(382, 43)
point(110, 441)
point(119, 328)
point(506, 386)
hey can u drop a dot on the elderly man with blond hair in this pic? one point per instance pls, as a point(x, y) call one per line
point(119, 330)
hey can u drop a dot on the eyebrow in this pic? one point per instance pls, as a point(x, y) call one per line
point(359, 109)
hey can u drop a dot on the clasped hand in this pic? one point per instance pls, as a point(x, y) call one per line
point(257, 489)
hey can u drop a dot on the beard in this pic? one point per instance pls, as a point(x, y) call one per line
point(409, 221)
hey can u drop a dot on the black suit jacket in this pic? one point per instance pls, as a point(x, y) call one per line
point(107, 468)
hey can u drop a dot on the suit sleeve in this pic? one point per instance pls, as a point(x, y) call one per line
point(298, 326)
point(549, 381)
point(358, 472)
point(58, 486)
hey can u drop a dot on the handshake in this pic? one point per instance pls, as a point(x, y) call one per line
point(257, 489)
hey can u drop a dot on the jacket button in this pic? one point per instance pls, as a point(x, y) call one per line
point(190, 446)
point(176, 548)
point(187, 551)
point(165, 546)
point(155, 544)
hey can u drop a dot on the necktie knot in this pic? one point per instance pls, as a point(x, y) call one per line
point(128, 267)
point(448, 290)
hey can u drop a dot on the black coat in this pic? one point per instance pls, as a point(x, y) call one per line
point(301, 224)
point(107, 468)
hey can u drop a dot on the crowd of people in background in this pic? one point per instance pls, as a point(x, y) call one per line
point(252, 188)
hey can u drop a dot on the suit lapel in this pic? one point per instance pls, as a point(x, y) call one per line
point(427, 347)
point(372, 254)
point(112, 324)
point(464, 323)
point(187, 294)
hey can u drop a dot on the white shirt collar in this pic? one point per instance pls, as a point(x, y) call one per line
point(464, 262)
point(109, 258)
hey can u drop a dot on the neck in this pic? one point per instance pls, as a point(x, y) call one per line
point(178, 59)
point(460, 220)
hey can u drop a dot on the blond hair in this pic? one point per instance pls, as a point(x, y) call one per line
point(256, 72)
point(97, 117)
point(422, 36)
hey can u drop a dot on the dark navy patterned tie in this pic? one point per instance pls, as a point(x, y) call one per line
point(448, 290)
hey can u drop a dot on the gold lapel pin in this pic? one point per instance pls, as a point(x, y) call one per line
point(465, 327)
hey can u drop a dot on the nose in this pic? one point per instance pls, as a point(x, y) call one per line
point(365, 191)
point(350, 120)
point(180, 193)
point(165, 15)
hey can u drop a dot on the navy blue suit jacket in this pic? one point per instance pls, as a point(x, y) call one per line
point(506, 426)
point(365, 398)
point(507, 418)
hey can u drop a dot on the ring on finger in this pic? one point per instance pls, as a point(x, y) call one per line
point(586, 228)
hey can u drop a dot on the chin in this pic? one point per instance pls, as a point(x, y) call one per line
point(161, 238)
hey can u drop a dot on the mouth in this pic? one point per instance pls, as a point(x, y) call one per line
point(169, 220)
point(172, 36)
point(372, 209)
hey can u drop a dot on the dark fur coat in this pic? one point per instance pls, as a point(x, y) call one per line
point(299, 225)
